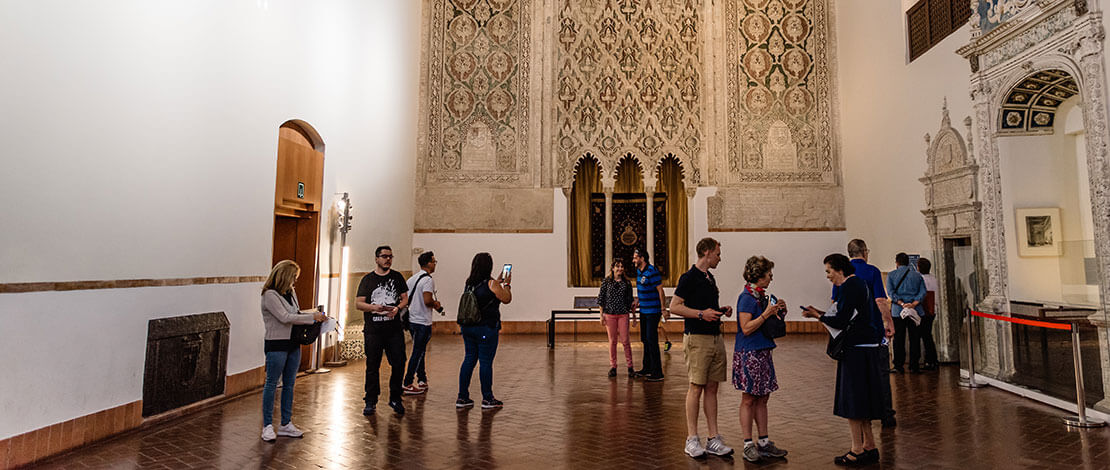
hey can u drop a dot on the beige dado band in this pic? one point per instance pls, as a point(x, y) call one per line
point(23, 287)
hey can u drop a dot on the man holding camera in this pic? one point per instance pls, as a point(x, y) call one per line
point(381, 295)
point(423, 288)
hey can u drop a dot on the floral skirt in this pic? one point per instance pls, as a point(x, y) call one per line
point(753, 372)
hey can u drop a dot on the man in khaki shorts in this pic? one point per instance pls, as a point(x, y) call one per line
point(697, 300)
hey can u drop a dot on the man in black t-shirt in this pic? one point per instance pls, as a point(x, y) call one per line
point(381, 294)
point(697, 300)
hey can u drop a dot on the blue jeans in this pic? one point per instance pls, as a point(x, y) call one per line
point(481, 346)
point(420, 336)
point(283, 365)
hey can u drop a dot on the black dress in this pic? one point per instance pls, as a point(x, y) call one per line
point(859, 373)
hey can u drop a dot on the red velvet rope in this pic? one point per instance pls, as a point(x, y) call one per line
point(1042, 324)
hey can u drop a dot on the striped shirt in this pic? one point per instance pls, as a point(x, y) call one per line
point(647, 283)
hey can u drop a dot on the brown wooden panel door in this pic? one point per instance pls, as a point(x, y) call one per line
point(297, 201)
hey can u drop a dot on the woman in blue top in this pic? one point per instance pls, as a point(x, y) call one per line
point(753, 371)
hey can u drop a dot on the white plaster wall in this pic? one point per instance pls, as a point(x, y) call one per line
point(540, 266)
point(79, 352)
point(140, 142)
point(1042, 171)
point(887, 106)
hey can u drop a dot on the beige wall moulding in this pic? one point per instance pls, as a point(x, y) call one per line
point(21, 287)
point(484, 210)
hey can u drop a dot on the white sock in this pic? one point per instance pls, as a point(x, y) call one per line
point(763, 441)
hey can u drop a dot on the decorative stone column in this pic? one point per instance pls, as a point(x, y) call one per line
point(608, 228)
point(1089, 52)
point(997, 354)
point(649, 194)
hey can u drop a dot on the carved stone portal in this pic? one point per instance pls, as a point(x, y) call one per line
point(1040, 36)
point(951, 213)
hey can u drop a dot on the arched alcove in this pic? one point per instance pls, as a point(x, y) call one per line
point(298, 194)
point(586, 181)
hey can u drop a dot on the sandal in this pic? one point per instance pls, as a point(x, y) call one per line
point(855, 460)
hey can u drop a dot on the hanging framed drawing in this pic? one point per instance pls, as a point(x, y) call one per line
point(1038, 232)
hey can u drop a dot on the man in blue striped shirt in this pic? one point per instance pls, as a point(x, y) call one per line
point(649, 294)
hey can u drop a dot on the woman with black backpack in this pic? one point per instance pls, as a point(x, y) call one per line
point(480, 332)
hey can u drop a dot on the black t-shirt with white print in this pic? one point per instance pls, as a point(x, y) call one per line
point(382, 290)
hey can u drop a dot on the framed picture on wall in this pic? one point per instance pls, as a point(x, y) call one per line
point(1038, 232)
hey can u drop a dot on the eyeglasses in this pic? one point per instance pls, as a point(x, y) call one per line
point(385, 256)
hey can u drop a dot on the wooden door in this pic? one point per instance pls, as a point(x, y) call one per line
point(297, 196)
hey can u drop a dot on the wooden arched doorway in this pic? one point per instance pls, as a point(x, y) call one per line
point(297, 202)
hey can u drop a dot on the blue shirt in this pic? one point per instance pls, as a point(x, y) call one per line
point(647, 284)
point(906, 285)
point(873, 278)
point(757, 340)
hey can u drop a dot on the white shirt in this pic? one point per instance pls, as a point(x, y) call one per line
point(418, 312)
point(931, 284)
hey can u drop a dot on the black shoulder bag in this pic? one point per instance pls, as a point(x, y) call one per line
point(839, 345)
point(773, 327)
point(305, 334)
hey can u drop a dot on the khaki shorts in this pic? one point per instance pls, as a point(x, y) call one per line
point(705, 358)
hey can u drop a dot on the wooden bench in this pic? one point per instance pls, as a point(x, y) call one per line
point(585, 308)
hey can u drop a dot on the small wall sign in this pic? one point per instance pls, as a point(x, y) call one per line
point(300, 190)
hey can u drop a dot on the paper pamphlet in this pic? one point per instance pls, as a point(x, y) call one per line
point(831, 312)
point(329, 325)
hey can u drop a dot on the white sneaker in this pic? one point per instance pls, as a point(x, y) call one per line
point(268, 433)
point(288, 430)
point(716, 446)
point(693, 447)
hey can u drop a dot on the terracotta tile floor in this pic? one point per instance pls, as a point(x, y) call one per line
point(562, 412)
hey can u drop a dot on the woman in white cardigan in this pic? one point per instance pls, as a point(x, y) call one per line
point(280, 312)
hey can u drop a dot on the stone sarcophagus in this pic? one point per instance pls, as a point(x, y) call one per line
point(186, 360)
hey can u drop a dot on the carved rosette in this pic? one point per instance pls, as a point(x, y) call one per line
point(478, 92)
point(779, 100)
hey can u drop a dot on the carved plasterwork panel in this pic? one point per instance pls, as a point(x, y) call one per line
point(484, 209)
point(629, 78)
point(780, 107)
point(746, 209)
point(478, 91)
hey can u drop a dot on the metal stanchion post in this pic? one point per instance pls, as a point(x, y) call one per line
point(970, 382)
point(1081, 421)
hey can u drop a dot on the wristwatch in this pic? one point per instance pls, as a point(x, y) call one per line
point(699, 316)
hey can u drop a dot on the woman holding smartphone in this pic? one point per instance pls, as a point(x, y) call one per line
point(753, 371)
point(280, 312)
point(481, 340)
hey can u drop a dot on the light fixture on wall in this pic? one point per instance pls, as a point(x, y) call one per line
point(343, 208)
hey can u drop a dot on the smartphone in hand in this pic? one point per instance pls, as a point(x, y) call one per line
point(506, 271)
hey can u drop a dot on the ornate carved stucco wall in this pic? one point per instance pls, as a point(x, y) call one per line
point(781, 124)
point(477, 162)
point(629, 81)
point(740, 91)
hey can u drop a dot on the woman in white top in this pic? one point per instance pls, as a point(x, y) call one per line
point(280, 312)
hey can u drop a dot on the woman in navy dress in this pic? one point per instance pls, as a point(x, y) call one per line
point(859, 371)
